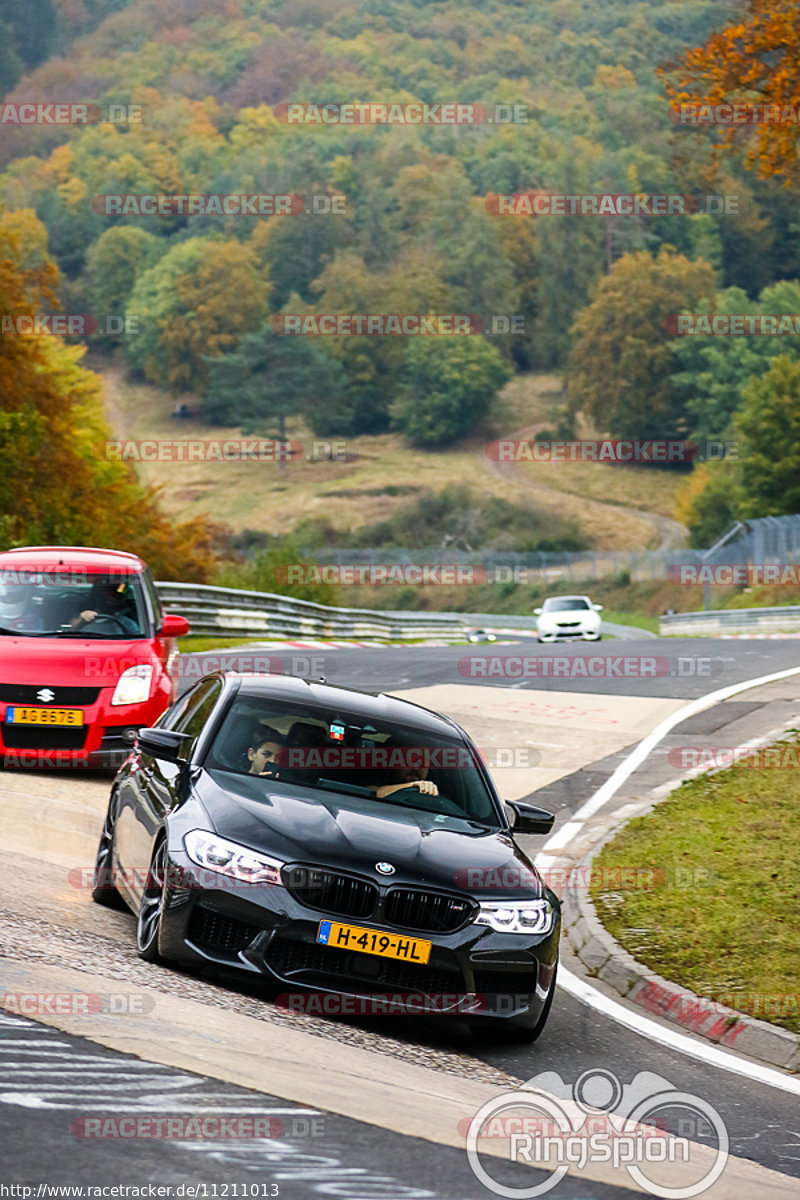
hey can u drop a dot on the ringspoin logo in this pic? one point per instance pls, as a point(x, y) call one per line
point(672, 1144)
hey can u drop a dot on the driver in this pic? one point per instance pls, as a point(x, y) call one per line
point(265, 746)
point(108, 600)
point(410, 775)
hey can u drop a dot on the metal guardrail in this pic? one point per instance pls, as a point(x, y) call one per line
point(231, 612)
point(784, 619)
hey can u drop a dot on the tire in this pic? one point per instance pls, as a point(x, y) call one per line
point(148, 922)
point(103, 890)
point(500, 1030)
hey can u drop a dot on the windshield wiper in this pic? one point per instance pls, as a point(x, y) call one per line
point(350, 789)
point(28, 632)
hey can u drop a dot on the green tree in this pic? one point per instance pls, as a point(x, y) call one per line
point(446, 386)
point(269, 379)
point(621, 366)
point(709, 501)
point(712, 371)
point(114, 263)
point(769, 455)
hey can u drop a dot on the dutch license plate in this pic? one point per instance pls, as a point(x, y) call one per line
point(17, 715)
point(372, 941)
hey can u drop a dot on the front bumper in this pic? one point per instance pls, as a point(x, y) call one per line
point(570, 633)
point(265, 931)
point(104, 740)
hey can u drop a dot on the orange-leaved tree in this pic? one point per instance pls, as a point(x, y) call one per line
point(755, 60)
point(58, 484)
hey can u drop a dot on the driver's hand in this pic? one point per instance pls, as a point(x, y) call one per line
point(426, 786)
point(85, 617)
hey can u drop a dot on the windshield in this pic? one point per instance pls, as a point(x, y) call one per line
point(71, 603)
point(338, 750)
point(565, 604)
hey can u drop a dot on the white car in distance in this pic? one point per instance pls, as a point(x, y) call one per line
point(565, 617)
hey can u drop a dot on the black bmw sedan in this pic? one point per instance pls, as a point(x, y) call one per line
point(333, 842)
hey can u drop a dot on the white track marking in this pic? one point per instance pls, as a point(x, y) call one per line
point(629, 1017)
point(647, 744)
point(704, 1051)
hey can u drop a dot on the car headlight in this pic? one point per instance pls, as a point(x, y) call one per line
point(229, 858)
point(133, 685)
point(516, 916)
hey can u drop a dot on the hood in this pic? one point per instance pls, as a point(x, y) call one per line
point(69, 661)
point(353, 834)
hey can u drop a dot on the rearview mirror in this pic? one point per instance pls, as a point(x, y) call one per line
point(530, 819)
point(162, 743)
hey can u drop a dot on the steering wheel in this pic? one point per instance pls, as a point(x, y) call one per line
point(104, 619)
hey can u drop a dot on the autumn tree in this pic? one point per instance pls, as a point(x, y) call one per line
point(622, 362)
point(194, 304)
point(58, 481)
point(755, 58)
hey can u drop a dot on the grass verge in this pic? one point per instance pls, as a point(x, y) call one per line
point(705, 889)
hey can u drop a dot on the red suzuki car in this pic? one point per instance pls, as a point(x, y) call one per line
point(87, 657)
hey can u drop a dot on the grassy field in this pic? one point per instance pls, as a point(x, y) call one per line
point(713, 901)
point(379, 474)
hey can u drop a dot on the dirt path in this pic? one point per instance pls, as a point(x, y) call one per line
point(671, 534)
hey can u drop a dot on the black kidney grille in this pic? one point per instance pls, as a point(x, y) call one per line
point(330, 892)
point(63, 697)
point(216, 931)
point(410, 909)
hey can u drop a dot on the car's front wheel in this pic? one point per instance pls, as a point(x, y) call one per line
point(148, 925)
point(104, 889)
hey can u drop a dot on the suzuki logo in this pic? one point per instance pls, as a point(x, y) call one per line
point(45, 695)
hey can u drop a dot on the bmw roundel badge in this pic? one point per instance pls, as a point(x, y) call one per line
point(384, 868)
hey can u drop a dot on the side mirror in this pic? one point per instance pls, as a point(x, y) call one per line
point(173, 626)
point(530, 819)
point(598, 608)
point(537, 612)
point(162, 743)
